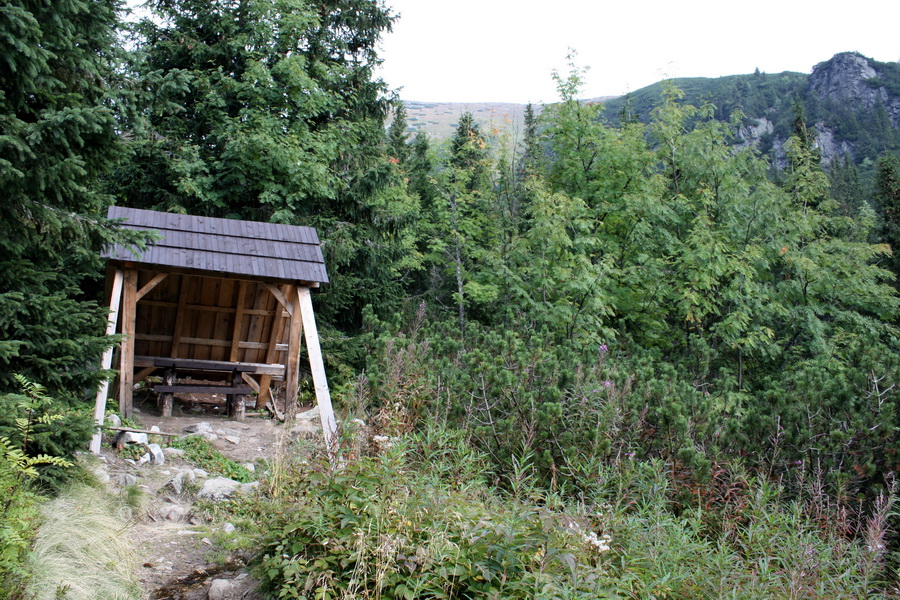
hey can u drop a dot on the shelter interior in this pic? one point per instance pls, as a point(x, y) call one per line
point(218, 306)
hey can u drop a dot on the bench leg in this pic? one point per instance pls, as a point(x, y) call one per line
point(165, 399)
point(236, 401)
point(236, 406)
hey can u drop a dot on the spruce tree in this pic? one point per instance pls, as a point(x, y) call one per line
point(887, 195)
point(57, 139)
point(270, 111)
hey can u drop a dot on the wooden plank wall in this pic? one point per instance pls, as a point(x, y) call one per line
point(188, 316)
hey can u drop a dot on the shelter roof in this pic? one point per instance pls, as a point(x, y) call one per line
point(206, 244)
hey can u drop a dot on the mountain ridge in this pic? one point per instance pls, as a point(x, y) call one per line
point(852, 102)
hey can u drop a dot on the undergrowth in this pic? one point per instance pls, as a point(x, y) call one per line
point(201, 453)
point(423, 520)
point(81, 551)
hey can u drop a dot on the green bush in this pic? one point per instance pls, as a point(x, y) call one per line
point(392, 527)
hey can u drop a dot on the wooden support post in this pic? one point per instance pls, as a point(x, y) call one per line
point(317, 366)
point(166, 398)
point(126, 352)
point(277, 332)
point(238, 322)
point(106, 361)
point(235, 402)
point(292, 364)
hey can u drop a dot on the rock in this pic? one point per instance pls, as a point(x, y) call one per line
point(182, 478)
point(113, 420)
point(202, 427)
point(100, 473)
point(143, 460)
point(154, 429)
point(218, 488)
point(249, 487)
point(228, 528)
point(250, 467)
point(126, 479)
point(128, 438)
point(200, 473)
point(219, 589)
point(313, 413)
point(156, 454)
point(175, 513)
point(226, 431)
point(305, 429)
point(232, 438)
point(173, 452)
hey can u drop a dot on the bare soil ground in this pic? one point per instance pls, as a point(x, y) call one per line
point(177, 545)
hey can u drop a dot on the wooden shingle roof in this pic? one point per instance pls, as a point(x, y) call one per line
point(227, 246)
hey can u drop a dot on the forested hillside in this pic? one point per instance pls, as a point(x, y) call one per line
point(622, 358)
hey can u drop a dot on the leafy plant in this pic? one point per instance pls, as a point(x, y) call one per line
point(200, 452)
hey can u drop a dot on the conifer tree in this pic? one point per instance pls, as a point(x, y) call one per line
point(887, 195)
point(397, 137)
point(57, 139)
point(269, 110)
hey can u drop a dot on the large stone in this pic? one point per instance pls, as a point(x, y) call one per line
point(173, 452)
point(181, 479)
point(219, 488)
point(129, 438)
point(202, 427)
point(126, 479)
point(313, 413)
point(156, 454)
point(220, 589)
point(174, 512)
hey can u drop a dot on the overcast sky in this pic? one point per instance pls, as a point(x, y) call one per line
point(505, 50)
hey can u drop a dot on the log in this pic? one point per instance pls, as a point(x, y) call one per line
point(133, 430)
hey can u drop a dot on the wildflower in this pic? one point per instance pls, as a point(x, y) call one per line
point(607, 384)
point(602, 349)
point(600, 544)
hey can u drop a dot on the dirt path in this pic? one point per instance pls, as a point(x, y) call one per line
point(177, 545)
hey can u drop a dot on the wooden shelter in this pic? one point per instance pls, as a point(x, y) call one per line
point(219, 300)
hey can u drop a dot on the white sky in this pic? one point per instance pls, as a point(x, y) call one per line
point(505, 50)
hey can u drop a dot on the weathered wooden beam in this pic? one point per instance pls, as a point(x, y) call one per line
point(150, 285)
point(126, 352)
point(189, 388)
point(282, 299)
point(248, 378)
point(143, 373)
point(183, 290)
point(278, 324)
point(132, 429)
point(292, 364)
point(106, 362)
point(238, 322)
point(155, 362)
point(317, 366)
point(218, 309)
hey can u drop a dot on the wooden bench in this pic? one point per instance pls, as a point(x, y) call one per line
point(235, 391)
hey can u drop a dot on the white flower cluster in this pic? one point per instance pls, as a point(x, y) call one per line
point(598, 543)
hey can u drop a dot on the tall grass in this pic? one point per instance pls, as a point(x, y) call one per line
point(425, 520)
point(82, 549)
